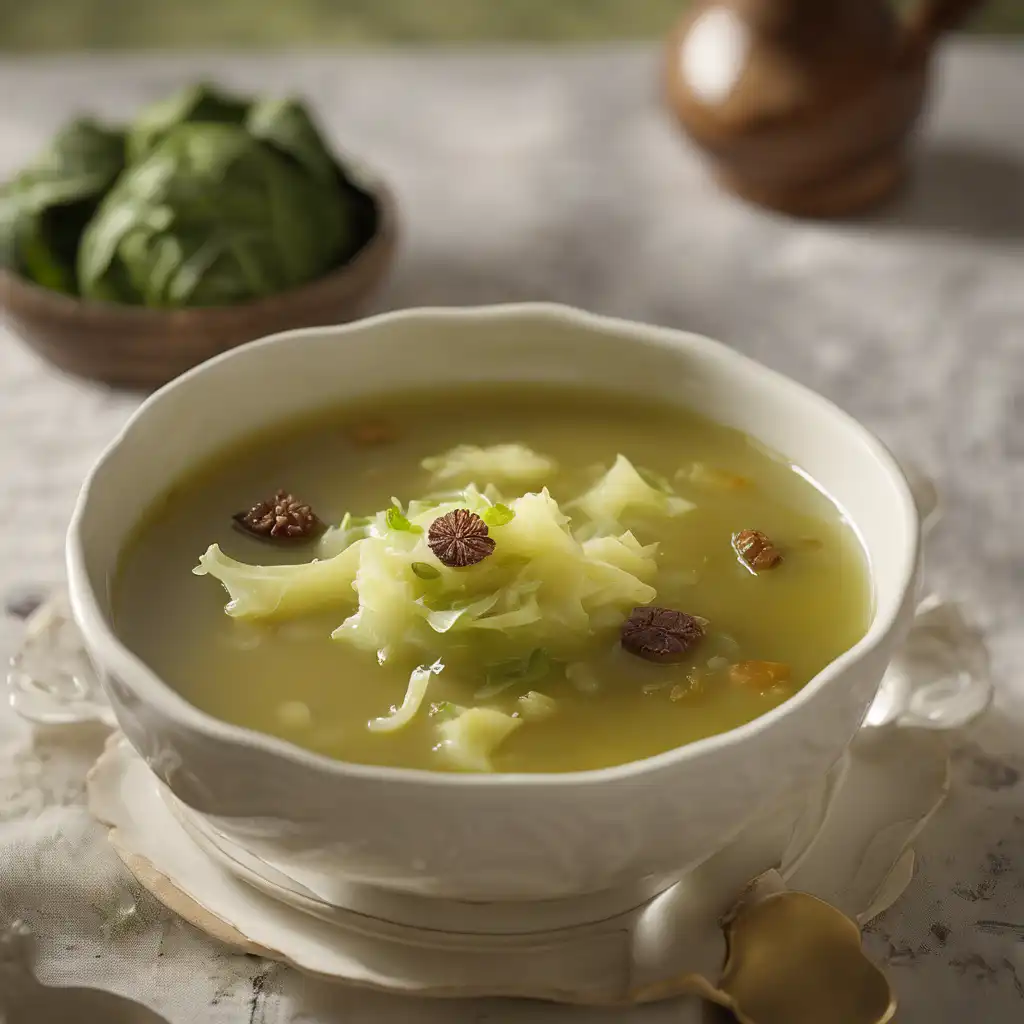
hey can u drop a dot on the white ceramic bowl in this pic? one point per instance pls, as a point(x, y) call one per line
point(479, 837)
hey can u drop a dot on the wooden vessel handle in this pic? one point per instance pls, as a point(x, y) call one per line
point(934, 17)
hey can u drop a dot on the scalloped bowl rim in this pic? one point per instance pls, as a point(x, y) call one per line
point(158, 694)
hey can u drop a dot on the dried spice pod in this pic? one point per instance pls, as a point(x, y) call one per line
point(756, 550)
point(282, 518)
point(459, 538)
point(661, 634)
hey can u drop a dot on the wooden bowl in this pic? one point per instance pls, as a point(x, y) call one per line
point(134, 347)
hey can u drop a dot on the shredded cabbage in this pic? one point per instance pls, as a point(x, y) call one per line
point(414, 695)
point(469, 740)
point(622, 488)
point(530, 609)
point(542, 587)
point(507, 463)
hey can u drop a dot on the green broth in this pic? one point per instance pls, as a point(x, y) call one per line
point(291, 680)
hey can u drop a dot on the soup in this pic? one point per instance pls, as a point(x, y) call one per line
point(511, 579)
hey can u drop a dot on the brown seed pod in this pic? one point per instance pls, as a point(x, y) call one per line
point(661, 634)
point(282, 518)
point(459, 539)
point(756, 550)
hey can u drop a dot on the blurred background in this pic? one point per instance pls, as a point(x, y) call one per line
point(56, 25)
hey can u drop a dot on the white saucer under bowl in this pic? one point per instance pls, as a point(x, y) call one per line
point(847, 842)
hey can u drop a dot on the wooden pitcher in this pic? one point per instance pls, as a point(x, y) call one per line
point(805, 106)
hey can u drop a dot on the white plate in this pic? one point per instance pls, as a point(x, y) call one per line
point(851, 847)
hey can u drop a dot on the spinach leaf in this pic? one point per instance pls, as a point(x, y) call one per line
point(45, 208)
point(200, 102)
point(210, 217)
point(288, 127)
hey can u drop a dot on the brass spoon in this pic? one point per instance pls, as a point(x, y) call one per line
point(23, 1000)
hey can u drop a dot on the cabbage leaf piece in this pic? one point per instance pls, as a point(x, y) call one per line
point(469, 740)
point(282, 591)
point(500, 463)
point(622, 489)
point(535, 706)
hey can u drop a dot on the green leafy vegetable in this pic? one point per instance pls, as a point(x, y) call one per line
point(210, 217)
point(397, 521)
point(521, 671)
point(201, 102)
point(497, 515)
point(44, 210)
point(425, 571)
point(288, 127)
point(623, 489)
point(282, 591)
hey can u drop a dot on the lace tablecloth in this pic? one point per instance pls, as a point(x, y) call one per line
point(525, 176)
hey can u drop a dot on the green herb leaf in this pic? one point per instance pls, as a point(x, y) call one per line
point(397, 521)
point(497, 515)
point(425, 571)
point(522, 671)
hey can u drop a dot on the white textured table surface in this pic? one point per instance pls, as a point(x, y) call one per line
point(557, 175)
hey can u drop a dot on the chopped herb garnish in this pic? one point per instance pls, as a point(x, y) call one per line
point(498, 515)
point(504, 674)
point(397, 521)
point(425, 570)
